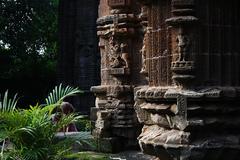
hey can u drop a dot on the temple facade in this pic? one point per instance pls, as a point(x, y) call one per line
point(170, 77)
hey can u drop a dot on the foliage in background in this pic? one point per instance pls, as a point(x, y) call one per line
point(84, 124)
point(28, 46)
point(29, 134)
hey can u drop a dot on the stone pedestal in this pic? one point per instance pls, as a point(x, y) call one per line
point(185, 124)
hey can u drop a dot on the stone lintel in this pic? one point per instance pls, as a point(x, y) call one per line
point(104, 89)
point(151, 93)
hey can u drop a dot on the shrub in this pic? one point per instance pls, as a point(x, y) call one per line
point(29, 134)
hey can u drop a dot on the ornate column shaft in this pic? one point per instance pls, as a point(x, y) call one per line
point(116, 118)
point(182, 22)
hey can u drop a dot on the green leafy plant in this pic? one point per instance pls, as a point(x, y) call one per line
point(59, 93)
point(8, 104)
point(84, 124)
point(30, 134)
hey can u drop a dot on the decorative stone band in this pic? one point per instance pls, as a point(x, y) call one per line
point(181, 20)
point(103, 89)
point(109, 19)
point(126, 24)
point(165, 93)
point(183, 71)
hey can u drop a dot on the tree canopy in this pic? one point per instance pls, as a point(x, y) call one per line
point(28, 45)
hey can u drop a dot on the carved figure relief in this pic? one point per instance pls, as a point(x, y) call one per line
point(114, 56)
point(118, 56)
point(183, 43)
point(125, 55)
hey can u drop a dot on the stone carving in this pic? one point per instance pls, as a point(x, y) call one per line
point(125, 55)
point(118, 57)
point(183, 43)
point(145, 31)
point(117, 30)
point(114, 56)
point(182, 120)
point(102, 124)
point(144, 56)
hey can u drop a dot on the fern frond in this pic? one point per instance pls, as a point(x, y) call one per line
point(59, 93)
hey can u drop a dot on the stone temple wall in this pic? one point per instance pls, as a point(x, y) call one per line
point(78, 53)
point(172, 67)
point(196, 115)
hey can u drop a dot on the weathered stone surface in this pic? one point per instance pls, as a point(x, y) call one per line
point(179, 60)
point(117, 30)
point(202, 100)
point(156, 135)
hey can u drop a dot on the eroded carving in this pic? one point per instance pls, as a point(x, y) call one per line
point(183, 43)
point(143, 52)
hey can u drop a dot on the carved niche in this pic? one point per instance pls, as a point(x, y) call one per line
point(182, 22)
point(118, 56)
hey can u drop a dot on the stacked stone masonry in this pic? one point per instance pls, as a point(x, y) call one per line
point(171, 66)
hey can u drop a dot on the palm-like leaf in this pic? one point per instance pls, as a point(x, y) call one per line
point(60, 92)
point(32, 131)
point(7, 104)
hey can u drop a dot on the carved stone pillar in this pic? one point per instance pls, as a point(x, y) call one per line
point(191, 118)
point(183, 22)
point(116, 117)
point(145, 31)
